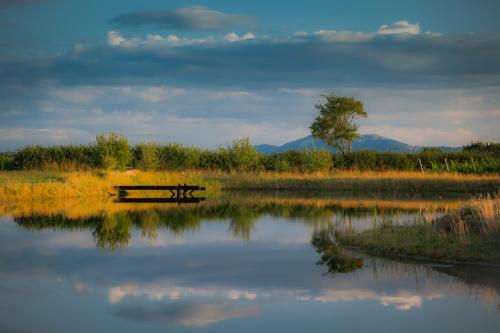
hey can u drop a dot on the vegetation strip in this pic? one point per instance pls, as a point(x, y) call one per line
point(470, 235)
point(113, 152)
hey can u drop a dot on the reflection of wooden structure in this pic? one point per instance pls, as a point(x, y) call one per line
point(179, 193)
point(161, 200)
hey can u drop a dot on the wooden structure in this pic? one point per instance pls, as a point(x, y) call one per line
point(179, 193)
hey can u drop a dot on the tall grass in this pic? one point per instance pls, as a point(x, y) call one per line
point(470, 234)
point(22, 186)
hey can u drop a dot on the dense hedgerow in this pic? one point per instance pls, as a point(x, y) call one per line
point(68, 157)
point(6, 161)
point(112, 151)
point(480, 147)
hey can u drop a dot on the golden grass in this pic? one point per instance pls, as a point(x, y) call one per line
point(37, 185)
point(404, 182)
point(22, 186)
point(488, 210)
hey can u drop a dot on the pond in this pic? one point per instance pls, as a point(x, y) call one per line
point(243, 263)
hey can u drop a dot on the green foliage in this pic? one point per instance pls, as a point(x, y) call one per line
point(177, 157)
point(68, 157)
point(336, 125)
point(241, 155)
point(114, 151)
point(480, 147)
point(6, 161)
point(307, 160)
point(146, 156)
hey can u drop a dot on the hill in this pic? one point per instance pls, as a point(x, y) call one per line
point(366, 142)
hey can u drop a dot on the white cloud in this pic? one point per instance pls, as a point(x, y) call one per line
point(233, 37)
point(337, 36)
point(115, 39)
point(400, 27)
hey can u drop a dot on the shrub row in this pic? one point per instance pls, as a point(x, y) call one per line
point(112, 151)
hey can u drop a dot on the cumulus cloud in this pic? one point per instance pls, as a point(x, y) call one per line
point(114, 38)
point(192, 18)
point(397, 29)
point(122, 86)
point(400, 27)
point(233, 37)
point(156, 41)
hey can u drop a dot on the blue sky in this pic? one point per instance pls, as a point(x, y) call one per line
point(206, 72)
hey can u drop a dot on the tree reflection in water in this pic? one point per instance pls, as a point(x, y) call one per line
point(113, 233)
point(336, 259)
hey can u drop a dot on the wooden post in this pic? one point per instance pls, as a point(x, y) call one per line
point(446, 162)
point(473, 165)
point(178, 190)
point(421, 167)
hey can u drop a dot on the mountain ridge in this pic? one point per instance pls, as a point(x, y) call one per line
point(365, 142)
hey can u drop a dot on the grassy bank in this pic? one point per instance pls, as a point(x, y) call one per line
point(471, 234)
point(405, 182)
point(29, 185)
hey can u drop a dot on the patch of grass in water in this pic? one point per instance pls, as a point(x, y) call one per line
point(469, 235)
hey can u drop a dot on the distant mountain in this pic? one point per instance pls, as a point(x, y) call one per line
point(365, 142)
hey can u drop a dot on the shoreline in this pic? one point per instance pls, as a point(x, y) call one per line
point(41, 185)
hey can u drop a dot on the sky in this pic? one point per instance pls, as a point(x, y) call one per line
point(206, 72)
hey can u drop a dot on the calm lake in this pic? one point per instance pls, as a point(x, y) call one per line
point(247, 263)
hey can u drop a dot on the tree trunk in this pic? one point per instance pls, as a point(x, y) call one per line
point(350, 146)
point(341, 148)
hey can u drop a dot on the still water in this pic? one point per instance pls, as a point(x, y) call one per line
point(243, 264)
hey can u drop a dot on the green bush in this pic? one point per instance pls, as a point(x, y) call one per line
point(241, 155)
point(68, 157)
point(6, 161)
point(146, 156)
point(114, 151)
point(276, 162)
point(480, 147)
point(307, 160)
point(176, 157)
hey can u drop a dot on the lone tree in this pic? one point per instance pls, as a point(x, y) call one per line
point(336, 124)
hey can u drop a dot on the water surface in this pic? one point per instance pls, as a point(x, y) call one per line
point(232, 265)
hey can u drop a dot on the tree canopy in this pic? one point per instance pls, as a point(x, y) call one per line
point(336, 124)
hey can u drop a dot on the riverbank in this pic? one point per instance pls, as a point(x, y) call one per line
point(470, 235)
point(37, 185)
